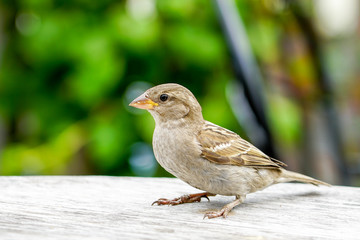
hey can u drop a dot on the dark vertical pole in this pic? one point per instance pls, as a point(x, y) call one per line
point(246, 70)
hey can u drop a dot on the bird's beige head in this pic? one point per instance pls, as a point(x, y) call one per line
point(168, 102)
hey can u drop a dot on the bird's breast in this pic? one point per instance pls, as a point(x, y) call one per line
point(175, 153)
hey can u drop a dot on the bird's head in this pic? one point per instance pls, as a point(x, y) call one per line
point(169, 102)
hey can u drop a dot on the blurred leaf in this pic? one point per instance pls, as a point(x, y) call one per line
point(264, 38)
point(48, 158)
point(137, 35)
point(195, 45)
point(215, 108)
point(110, 138)
point(178, 9)
point(285, 117)
point(145, 125)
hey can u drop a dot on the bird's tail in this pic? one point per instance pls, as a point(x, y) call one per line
point(288, 176)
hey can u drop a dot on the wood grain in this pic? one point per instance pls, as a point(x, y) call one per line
point(99, 207)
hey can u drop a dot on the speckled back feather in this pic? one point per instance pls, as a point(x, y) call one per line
point(222, 146)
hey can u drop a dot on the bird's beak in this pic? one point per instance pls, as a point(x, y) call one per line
point(143, 102)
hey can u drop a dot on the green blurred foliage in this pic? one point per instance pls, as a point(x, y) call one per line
point(68, 68)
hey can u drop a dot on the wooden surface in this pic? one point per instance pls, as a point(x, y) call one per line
point(96, 207)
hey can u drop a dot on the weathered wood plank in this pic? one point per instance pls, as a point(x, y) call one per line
point(96, 207)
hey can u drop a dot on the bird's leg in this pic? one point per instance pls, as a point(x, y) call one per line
point(188, 198)
point(226, 209)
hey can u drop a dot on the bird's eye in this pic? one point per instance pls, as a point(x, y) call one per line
point(164, 97)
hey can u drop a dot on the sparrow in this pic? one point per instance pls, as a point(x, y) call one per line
point(205, 155)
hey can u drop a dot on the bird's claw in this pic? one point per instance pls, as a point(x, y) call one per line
point(206, 198)
point(164, 201)
point(188, 198)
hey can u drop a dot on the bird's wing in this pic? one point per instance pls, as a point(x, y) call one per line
point(222, 146)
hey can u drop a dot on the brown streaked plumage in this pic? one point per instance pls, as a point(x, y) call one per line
point(204, 155)
point(222, 146)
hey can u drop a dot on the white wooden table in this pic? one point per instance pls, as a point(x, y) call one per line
point(97, 207)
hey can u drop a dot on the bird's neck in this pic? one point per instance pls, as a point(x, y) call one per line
point(187, 122)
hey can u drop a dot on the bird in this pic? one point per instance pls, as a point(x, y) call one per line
point(204, 155)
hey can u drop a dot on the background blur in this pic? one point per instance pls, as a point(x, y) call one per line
point(68, 70)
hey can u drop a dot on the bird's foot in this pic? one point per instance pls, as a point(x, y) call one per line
point(221, 213)
point(188, 198)
point(226, 209)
